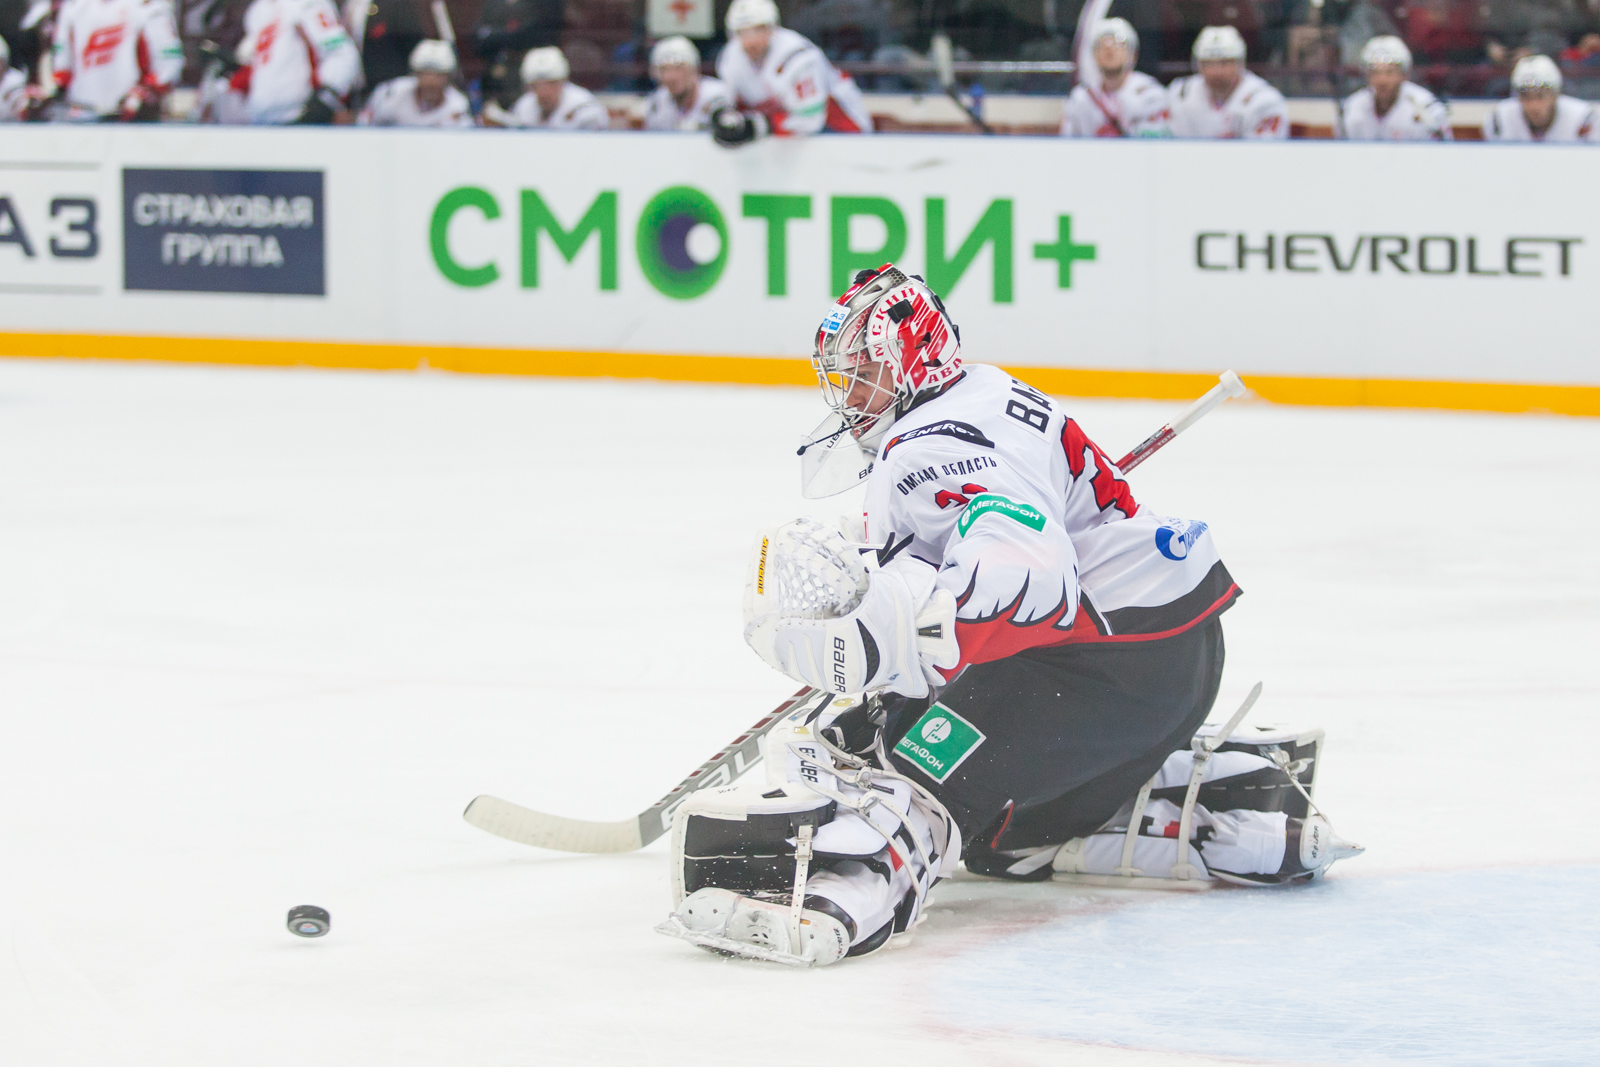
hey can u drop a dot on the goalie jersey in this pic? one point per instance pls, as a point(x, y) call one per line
point(1032, 527)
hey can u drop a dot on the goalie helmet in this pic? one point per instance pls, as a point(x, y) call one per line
point(886, 341)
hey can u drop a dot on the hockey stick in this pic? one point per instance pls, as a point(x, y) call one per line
point(1228, 386)
point(505, 819)
point(525, 826)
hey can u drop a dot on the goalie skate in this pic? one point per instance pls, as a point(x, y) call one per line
point(725, 922)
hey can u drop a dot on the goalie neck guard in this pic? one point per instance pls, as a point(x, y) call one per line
point(887, 341)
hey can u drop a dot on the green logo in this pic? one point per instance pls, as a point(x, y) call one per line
point(985, 503)
point(939, 741)
point(682, 242)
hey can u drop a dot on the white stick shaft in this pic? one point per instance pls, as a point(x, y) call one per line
point(1229, 386)
point(441, 22)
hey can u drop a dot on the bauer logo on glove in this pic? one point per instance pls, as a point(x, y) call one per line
point(814, 611)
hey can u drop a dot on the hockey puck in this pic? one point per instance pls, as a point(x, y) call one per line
point(308, 920)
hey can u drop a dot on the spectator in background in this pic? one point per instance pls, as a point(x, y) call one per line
point(782, 83)
point(683, 100)
point(297, 63)
point(506, 30)
point(552, 102)
point(425, 97)
point(1392, 108)
point(1224, 100)
point(115, 58)
point(1538, 111)
point(1586, 52)
point(13, 87)
point(386, 32)
point(1128, 103)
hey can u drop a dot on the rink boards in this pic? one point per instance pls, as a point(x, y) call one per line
point(1413, 275)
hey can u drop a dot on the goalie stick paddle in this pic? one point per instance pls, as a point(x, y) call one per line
point(525, 826)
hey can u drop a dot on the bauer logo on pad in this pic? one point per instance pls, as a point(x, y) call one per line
point(938, 743)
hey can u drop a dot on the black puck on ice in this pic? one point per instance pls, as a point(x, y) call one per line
point(308, 920)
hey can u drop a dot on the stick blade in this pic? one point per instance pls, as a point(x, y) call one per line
point(524, 826)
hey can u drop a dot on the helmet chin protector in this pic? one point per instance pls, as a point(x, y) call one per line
point(887, 340)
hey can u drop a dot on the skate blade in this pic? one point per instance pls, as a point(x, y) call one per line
point(729, 947)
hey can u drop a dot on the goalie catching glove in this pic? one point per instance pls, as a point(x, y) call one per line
point(816, 612)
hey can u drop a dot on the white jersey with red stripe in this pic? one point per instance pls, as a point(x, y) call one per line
point(1253, 111)
point(1138, 108)
point(578, 109)
point(795, 87)
point(1416, 115)
point(1575, 121)
point(1034, 530)
point(661, 110)
point(394, 103)
point(13, 94)
point(105, 49)
point(291, 49)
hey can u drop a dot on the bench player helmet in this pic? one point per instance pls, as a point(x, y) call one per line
point(545, 64)
point(747, 14)
point(1534, 73)
point(1386, 52)
point(437, 56)
point(1218, 43)
point(887, 340)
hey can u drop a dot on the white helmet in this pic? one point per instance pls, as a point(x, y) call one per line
point(1119, 30)
point(1386, 52)
point(1218, 42)
point(745, 14)
point(886, 319)
point(1535, 72)
point(436, 56)
point(544, 65)
point(675, 52)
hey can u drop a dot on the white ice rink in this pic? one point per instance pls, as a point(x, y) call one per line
point(263, 634)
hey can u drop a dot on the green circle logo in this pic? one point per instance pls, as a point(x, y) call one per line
point(683, 242)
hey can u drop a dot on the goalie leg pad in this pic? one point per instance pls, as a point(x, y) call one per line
point(856, 847)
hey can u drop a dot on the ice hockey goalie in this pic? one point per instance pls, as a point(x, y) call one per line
point(1013, 660)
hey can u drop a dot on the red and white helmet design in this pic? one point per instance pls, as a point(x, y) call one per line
point(888, 339)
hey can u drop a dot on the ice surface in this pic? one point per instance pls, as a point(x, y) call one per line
point(264, 633)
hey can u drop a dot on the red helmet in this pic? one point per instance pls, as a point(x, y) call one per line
point(888, 339)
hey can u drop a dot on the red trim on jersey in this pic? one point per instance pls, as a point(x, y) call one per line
point(838, 121)
point(311, 56)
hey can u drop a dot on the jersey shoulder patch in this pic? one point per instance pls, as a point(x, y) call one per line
point(961, 431)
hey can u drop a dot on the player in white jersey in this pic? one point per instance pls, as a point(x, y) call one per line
point(1034, 647)
point(115, 57)
point(423, 98)
point(781, 83)
point(297, 62)
point(1224, 100)
point(552, 102)
point(683, 100)
point(13, 87)
point(1126, 102)
point(1538, 111)
point(1391, 107)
